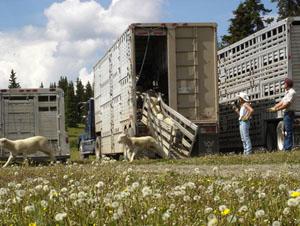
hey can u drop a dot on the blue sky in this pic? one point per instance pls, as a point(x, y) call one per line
point(45, 39)
point(15, 14)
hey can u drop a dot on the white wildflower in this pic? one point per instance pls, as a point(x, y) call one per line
point(282, 187)
point(186, 198)
point(212, 222)
point(261, 195)
point(115, 204)
point(208, 210)
point(166, 215)
point(20, 193)
point(3, 191)
point(292, 202)
point(82, 195)
point(60, 216)
point(196, 197)
point(222, 208)
point(29, 209)
point(65, 177)
point(259, 213)
point(216, 198)
point(100, 184)
point(44, 204)
point(172, 206)
point(93, 214)
point(243, 209)
point(276, 223)
point(151, 211)
point(286, 211)
point(146, 191)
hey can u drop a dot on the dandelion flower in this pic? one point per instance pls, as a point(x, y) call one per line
point(295, 194)
point(29, 209)
point(146, 191)
point(276, 223)
point(286, 211)
point(208, 210)
point(259, 213)
point(60, 216)
point(225, 212)
point(166, 215)
point(292, 202)
point(32, 224)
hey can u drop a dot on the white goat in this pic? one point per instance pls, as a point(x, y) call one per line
point(138, 144)
point(26, 146)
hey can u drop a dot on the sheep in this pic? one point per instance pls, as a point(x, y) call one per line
point(138, 144)
point(26, 146)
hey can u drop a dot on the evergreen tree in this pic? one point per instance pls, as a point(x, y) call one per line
point(246, 21)
point(63, 84)
point(80, 94)
point(287, 8)
point(13, 80)
point(42, 85)
point(88, 91)
point(71, 106)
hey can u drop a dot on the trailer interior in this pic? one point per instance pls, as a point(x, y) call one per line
point(151, 61)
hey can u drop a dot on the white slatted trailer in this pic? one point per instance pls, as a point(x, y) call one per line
point(31, 112)
point(258, 65)
point(177, 60)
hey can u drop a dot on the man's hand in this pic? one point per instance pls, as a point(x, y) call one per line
point(272, 109)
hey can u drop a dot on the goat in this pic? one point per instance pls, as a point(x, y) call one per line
point(138, 144)
point(26, 146)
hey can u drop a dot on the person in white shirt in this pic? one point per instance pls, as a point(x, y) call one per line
point(287, 104)
point(245, 112)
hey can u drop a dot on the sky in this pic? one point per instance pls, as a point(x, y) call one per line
point(42, 40)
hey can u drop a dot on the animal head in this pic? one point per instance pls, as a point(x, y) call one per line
point(2, 142)
point(122, 138)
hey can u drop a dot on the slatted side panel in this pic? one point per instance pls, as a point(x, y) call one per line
point(295, 60)
point(176, 138)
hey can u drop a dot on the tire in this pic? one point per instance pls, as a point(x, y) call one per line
point(84, 156)
point(271, 142)
point(280, 135)
point(98, 148)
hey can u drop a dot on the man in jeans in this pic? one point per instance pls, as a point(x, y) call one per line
point(287, 104)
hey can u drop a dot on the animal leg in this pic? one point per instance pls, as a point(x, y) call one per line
point(9, 159)
point(132, 155)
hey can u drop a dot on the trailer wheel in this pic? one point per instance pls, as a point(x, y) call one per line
point(98, 148)
point(280, 135)
point(271, 143)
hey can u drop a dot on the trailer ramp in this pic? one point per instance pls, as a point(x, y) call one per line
point(174, 133)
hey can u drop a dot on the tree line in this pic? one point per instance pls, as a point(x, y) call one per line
point(251, 16)
point(75, 95)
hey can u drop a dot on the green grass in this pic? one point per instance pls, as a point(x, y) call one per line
point(73, 134)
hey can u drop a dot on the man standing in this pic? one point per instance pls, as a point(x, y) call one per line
point(287, 104)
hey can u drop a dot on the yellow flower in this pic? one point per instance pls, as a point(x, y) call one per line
point(32, 224)
point(295, 194)
point(225, 212)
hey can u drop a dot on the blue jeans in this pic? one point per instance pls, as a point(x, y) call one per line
point(288, 121)
point(244, 131)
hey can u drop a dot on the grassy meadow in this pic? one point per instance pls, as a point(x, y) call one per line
point(154, 192)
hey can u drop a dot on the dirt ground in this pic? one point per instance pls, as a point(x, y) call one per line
point(222, 170)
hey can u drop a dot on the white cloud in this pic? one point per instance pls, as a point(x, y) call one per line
point(75, 37)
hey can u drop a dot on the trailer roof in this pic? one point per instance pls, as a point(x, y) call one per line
point(30, 90)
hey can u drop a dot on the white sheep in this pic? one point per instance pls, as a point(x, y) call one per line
point(138, 144)
point(26, 146)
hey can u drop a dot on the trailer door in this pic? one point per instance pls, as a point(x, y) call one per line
point(19, 118)
point(192, 72)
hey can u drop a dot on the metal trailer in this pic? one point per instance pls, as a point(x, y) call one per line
point(30, 112)
point(258, 65)
point(175, 59)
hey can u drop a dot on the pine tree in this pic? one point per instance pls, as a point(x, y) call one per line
point(287, 8)
point(88, 91)
point(247, 20)
point(71, 106)
point(42, 85)
point(13, 80)
point(80, 94)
